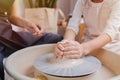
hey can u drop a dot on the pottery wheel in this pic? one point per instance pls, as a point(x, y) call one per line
point(67, 67)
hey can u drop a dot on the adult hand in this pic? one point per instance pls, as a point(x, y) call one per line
point(35, 28)
point(69, 49)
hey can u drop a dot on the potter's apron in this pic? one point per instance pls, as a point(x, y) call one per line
point(12, 39)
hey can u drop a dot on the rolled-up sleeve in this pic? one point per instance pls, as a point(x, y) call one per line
point(113, 24)
point(74, 22)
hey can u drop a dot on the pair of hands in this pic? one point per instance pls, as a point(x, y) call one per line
point(69, 49)
point(35, 28)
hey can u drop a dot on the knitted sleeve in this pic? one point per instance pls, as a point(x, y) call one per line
point(113, 23)
point(76, 17)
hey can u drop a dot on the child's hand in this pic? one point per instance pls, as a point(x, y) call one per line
point(73, 50)
point(59, 49)
point(69, 49)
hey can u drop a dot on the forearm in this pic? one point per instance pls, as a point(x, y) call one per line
point(15, 14)
point(18, 21)
point(96, 43)
point(69, 35)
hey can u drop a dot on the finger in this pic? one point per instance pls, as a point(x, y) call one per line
point(70, 52)
point(37, 28)
point(60, 46)
point(33, 27)
point(58, 52)
point(60, 56)
point(34, 32)
point(69, 48)
point(74, 56)
point(37, 34)
point(42, 30)
point(56, 55)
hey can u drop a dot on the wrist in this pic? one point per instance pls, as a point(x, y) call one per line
point(86, 49)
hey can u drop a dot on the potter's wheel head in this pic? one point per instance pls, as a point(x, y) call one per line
point(67, 68)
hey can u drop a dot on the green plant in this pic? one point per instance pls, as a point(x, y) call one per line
point(42, 3)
